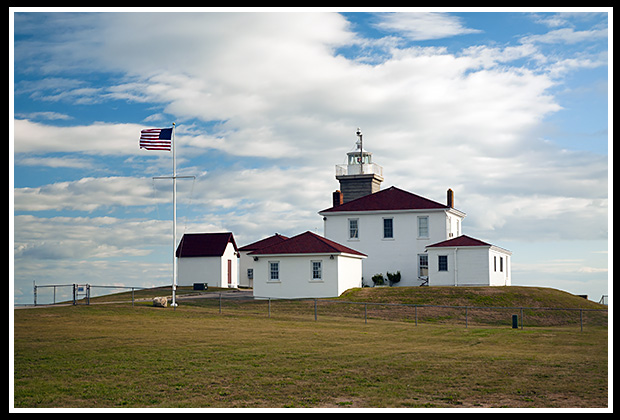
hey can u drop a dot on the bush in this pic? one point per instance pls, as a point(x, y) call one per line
point(378, 279)
point(393, 277)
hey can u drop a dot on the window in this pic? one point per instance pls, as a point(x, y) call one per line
point(354, 229)
point(388, 228)
point(274, 270)
point(317, 272)
point(422, 265)
point(501, 264)
point(494, 263)
point(422, 226)
point(442, 263)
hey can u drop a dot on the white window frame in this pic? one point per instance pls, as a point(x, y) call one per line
point(427, 233)
point(356, 237)
point(391, 228)
point(320, 270)
point(439, 257)
point(271, 278)
point(421, 266)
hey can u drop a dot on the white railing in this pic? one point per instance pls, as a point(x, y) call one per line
point(366, 168)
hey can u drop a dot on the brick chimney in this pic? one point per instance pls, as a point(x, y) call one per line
point(450, 198)
point(337, 198)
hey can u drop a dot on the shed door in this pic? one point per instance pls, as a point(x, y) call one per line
point(229, 273)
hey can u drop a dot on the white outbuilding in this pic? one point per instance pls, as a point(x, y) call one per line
point(306, 266)
point(210, 258)
point(247, 263)
point(466, 261)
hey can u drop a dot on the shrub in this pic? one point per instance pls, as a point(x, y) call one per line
point(393, 277)
point(378, 279)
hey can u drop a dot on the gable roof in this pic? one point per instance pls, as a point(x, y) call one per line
point(389, 199)
point(460, 241)
point(272, 240)
point(306, 243)
point(204, 244)
point(466, 241)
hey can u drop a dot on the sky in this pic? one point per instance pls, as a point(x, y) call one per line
point(509, 108)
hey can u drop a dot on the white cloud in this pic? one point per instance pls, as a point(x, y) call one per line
point(83, 238)
point(418, 26)
point(98, 138)
point(88, 194)
point(566, 36)
point(51, 162)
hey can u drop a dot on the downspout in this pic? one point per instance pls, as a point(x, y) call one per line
point(456, 265)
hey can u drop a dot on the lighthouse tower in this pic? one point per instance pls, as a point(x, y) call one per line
point(359, 176)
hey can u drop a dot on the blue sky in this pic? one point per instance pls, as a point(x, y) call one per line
point(509, 109)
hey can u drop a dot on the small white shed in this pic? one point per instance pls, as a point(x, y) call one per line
point(466, 261)
point(306, 266)
point(210, 258)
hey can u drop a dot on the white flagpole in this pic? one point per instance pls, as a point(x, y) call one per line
point(174, 214)
point(174, 219)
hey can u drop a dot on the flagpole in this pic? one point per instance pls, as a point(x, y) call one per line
point(151, 139)
point(174, 219)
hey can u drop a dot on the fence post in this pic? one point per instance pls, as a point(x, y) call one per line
point(315, 309)
point(220, 302)
point(581, 319)
point(269, 307)
point(416, 315)
point(521, 318)
point(365, 313)
point(466, 323)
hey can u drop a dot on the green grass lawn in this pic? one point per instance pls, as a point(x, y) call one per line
point(117, 355)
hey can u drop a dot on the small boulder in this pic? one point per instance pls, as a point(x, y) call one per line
point(160, 302)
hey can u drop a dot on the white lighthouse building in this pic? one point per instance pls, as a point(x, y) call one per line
point(396, 229)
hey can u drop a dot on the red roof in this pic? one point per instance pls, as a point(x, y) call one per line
point(272, 240)
point(462, 240)
point(306, 243)
point(204, 244)
point(389, 199)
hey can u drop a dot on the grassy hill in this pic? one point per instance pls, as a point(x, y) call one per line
point(513, 296)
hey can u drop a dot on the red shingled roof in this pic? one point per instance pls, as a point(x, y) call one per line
point(462, 240)
point(389, 199)
point(306, 243)
point(204, 244)
point(272, 240)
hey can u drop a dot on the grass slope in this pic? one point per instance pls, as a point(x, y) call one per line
point(513, 296)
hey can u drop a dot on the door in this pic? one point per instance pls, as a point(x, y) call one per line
point(229, 273)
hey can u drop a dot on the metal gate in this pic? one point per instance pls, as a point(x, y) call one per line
point(81, 294)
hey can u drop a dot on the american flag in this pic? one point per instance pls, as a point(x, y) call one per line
point(156, 139)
